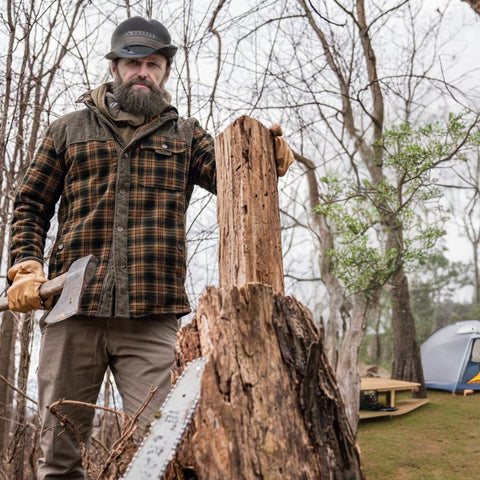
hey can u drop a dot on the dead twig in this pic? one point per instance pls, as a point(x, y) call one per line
point(124, 448)
point(63, 401)
point(13, 387)
point(66, 422)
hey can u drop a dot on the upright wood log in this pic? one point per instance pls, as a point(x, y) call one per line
point(248, 213)
point(269, 407)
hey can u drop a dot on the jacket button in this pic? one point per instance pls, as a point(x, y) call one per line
point(120, 228)
point(60, 246)
point(123, 190)
point(164, 145)
point(181, 247)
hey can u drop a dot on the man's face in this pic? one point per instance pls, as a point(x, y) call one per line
point(152, 68)
point(139, 83)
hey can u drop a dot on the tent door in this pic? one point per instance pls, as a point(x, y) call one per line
point(472, 366)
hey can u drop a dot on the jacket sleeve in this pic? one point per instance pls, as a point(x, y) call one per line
point(203, 166)
point(34, 204)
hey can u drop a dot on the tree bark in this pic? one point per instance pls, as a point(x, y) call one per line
point(7, 334)
point(347, 367)
point(269, 405)
point(248, 213)
point(19, 447)
point(407, 362)
point(338, 308)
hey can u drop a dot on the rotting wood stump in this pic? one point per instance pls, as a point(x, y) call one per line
point(269, 405)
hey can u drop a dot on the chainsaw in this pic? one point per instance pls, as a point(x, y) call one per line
point(158, 448)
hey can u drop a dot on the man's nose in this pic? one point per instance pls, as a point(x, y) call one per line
point(142, 70)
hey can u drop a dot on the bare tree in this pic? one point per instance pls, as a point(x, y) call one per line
point(467, 184)
point(336, 87)
point(39, 39)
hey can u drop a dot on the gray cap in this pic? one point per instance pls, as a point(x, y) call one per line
point(138, 37)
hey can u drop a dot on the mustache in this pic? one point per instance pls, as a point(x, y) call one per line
point(140, 81)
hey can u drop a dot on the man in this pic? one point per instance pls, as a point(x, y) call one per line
point(124, 168)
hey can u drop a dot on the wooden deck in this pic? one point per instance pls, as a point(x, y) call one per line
point(386, 389)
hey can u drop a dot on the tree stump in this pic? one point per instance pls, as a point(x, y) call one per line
point(269, 406)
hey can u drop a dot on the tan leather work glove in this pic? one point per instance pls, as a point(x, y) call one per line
point(283, 154)
point(23, 295)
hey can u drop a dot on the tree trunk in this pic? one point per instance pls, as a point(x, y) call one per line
point(248, 213)
point(407, 362)
point(476, 271)
point(19, 445)
point(338, 308)
point(7, 335)
point(269, 406)
point(347, 368)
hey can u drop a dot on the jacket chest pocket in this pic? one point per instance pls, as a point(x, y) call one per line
point(163, 165)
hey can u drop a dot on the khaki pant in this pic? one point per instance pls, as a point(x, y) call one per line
point(74, 357)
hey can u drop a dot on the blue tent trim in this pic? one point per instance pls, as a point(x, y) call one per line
point(452, 387)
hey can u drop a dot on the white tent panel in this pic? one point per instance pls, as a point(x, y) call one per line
point(451, 356)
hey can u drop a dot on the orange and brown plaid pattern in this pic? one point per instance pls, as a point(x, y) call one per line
point(126, 204)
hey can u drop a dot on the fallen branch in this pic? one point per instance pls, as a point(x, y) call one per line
point(13, 387)
point(122, 450)
point(125, 447)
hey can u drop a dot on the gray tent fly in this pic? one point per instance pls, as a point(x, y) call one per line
point(451, 357)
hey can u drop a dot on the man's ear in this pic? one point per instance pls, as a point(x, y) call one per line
point(167, 75)
point(113, 68)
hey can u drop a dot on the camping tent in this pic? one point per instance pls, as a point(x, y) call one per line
point(451, 357)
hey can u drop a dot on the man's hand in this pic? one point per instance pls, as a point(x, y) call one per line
point(23, 295)
point(283, 154)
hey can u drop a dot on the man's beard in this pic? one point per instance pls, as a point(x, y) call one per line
point(137, 101)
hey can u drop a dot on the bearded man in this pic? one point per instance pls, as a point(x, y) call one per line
point(124, 168)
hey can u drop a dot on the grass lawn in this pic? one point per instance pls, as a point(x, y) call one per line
point(439, 441)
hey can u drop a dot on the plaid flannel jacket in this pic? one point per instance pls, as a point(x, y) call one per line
point(126, 204)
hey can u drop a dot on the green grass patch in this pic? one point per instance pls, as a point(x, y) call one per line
point(439, 441)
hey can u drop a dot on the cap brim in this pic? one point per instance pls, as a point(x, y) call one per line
point(140, 51)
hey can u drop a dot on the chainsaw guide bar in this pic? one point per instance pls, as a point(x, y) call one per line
point(159, 445)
